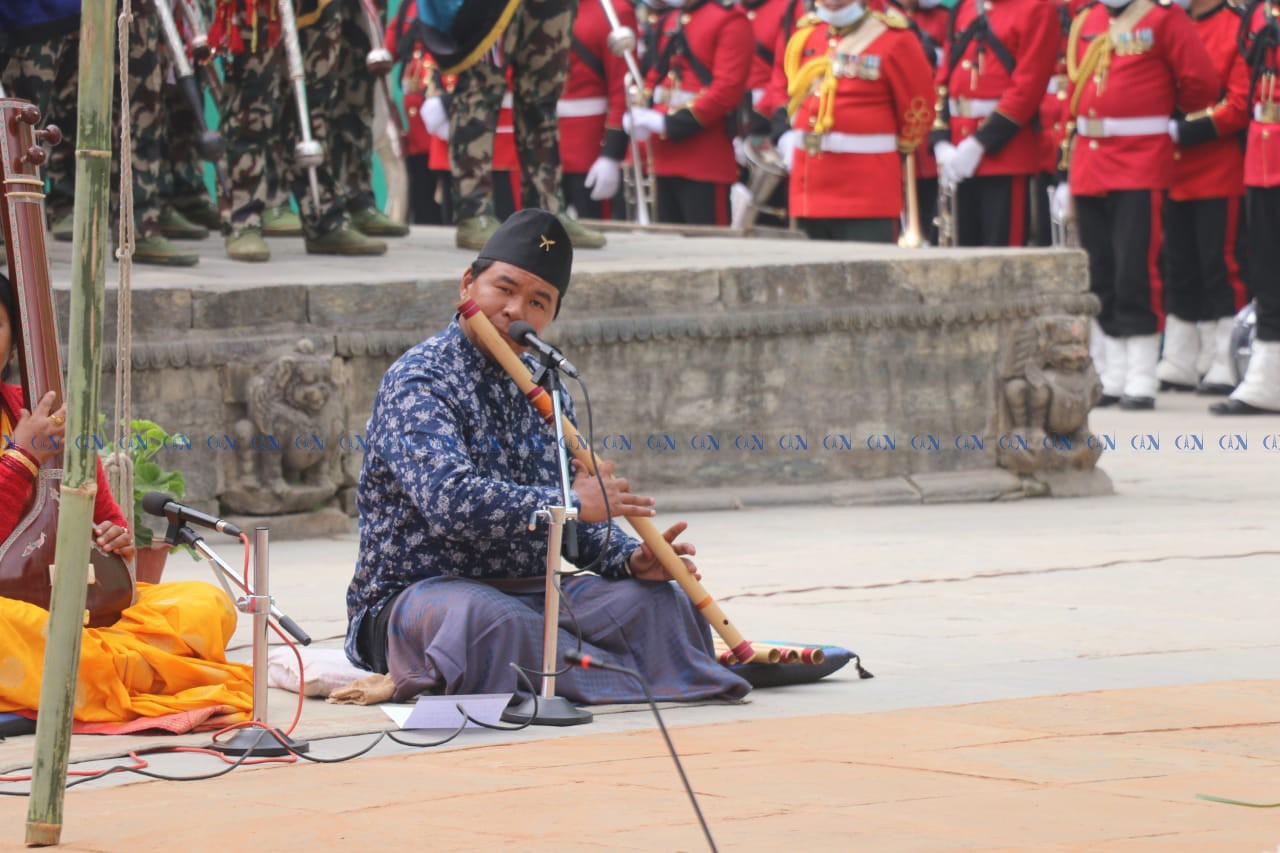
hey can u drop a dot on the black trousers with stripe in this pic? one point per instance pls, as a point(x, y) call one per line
point(1262, 209)
point(1120, 231)
point(992, 211)
point(1202, 278)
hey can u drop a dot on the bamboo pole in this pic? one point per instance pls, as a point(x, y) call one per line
point(79, 476)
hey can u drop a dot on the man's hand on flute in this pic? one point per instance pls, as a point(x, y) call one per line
point(621, 500)
point(645, 566)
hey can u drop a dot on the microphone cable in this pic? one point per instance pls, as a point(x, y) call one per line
point(589, 662)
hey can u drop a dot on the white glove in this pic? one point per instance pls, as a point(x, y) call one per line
point(786, 147)
point(603, 178)
point(943, 152)
point(1173, 129)
point(1060, 206)
point(435, 118)
point(738, 154)
point(643, 123)
point(964, 162)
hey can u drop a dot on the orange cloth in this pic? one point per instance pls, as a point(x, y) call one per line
point(166, 654)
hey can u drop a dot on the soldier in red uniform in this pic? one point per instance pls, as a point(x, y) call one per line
point(698, 68)
point(1259, 391)
point(999, 58)
point(1131, 64)
point(1203, 290)
point(861, 97)
point(423, 88)
point(592, 142)
point(1053, 129)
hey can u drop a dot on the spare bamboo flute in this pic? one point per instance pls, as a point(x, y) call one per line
point(775, 654)
point(648, 531)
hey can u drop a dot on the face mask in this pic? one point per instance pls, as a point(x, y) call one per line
point(842, 17)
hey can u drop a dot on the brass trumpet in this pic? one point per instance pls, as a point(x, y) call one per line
point(911, 236)
point(947, 215)
point(767, 170)
point(641, 198)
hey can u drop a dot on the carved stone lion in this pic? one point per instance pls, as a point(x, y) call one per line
point(285, 449)
point(1049, 388)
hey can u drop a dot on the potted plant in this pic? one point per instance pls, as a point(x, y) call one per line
point(148, 439)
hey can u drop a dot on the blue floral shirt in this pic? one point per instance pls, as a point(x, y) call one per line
point(456, 461)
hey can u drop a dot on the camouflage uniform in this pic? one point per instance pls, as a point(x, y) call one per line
point(63, 111)
point(185, 179)
point(536, 44)
point(146, 108)
point(261, 112)
point(40, 72)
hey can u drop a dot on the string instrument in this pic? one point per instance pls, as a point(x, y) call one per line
point(27, 554)
point(706, 605)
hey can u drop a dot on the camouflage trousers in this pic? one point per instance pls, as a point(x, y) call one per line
point(536, 45)
point(145, 122)
point(260, 118)
point(184, 170)
point(43, 73)
point(63, 112)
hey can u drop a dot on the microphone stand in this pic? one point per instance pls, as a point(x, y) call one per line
point(550, 709)
point(255, 601)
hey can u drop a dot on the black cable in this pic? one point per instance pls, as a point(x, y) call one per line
point(588, 662)
point(263, 731)
point(595, 467)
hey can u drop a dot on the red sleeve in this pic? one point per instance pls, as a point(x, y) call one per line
point(106, 508)
point(15, 493)
point(775, 91)
point(730, 67)
point(1195, 77)
point(1036, 59)
point(1231, 115)
point(910, 80)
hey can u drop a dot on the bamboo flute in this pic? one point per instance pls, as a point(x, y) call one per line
point(648, 531)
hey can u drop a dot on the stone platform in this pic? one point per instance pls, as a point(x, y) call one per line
point(714, 363)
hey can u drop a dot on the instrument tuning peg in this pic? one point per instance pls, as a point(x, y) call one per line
point(28, 114)
point(50, 135)
point(35, 156)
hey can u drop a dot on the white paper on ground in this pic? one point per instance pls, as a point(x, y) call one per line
point(441, 712)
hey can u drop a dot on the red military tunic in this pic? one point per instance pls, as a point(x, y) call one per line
point(1053, 106)
point(1214, 166)
point(772, 23)
point(1262, 155)
point(1159, 65)
point(697, 77)
point(595, 95)
point(882, 100)
point(994, 88)
point(773, 91)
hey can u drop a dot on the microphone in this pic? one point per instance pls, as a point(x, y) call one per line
point(523, 334)
point(158, 503)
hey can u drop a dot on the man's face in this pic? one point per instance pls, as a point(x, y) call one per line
point(505, 294)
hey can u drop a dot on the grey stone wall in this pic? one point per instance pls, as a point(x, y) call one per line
point(910, 346)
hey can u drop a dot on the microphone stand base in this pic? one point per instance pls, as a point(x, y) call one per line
point(260, 742)
point(551, 711)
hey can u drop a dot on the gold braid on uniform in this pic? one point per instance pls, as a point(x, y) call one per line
point(1096, 60)
point(800, 79)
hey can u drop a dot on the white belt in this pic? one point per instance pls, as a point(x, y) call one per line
point(756, 95)
point(507, 101)
point(973, 107)
point(1057, 83)
point(581, 107)
point(1268, 113)
point(1097, 128)
point(673, 98)
point(851, 143)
